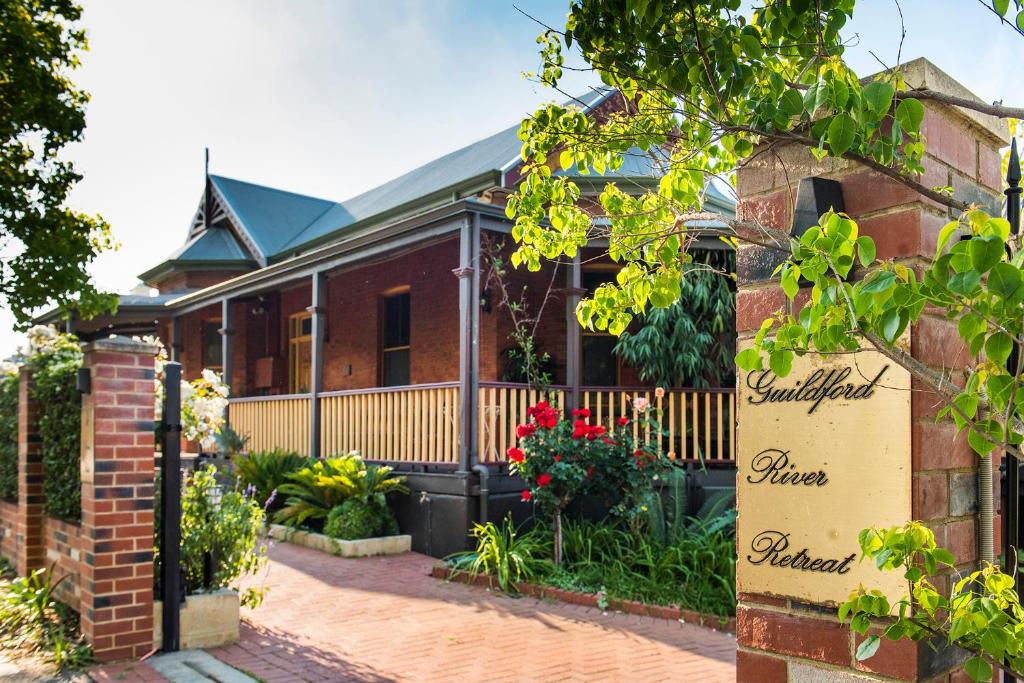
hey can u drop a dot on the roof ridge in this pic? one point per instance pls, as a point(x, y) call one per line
point(271, 188)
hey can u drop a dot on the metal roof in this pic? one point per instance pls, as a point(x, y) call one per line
point(281, 223)
point(214, 244)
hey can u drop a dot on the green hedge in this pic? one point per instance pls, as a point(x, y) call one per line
point(60, 425)
point(9, 437)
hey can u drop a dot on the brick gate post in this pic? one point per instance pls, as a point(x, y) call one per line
point(118, 498)
point(29, 536)
point(780, 638)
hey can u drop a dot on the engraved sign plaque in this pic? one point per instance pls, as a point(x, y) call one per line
point(823, 453)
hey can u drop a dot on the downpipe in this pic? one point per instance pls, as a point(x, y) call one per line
point(484, 491)
point(986, 552)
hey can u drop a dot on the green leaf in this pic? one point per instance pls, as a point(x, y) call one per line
point(868, 647)
point(998, 347)
point(947, 231)
point(965, 283)
point(1001, 7)
point(841, 134)
point(978, 669)
point(781, 362)
point(791, 280)
point(865, 250)
point(891, 325)
point(1004, 280)
point(985, 252)
point(878, 96)
point(1020, 20)
point(791, 103)
point(881, 282)
point(751, 45)
point(910, 114)
point(749, 359)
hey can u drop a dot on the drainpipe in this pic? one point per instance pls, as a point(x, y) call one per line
point(985, 546)
point(484, 490)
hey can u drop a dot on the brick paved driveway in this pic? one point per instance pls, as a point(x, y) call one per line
point(383, 619)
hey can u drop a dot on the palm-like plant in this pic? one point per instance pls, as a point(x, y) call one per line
point(314, 490)
point(506, 554)
point(267, 471)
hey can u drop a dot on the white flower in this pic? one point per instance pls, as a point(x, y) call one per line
point(210, 376)
point(639, 404)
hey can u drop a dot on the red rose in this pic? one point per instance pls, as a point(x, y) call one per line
point(608, 441)
point(543, 479)
point(598, 430)
point(527, 496)
point(525, 430)
point(558, 458)
point(623, 421)
point(581, 412)
point(590, 470)
point(552, 422)
point(516, 455)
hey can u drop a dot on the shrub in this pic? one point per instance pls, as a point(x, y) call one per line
point(355, 519)
point(55, 359)
point(266, 471)
point(32, 621)
point(312, 492)
point(9, 436)
point(220, 536)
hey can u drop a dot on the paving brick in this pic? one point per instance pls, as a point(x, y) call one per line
point(386, 618)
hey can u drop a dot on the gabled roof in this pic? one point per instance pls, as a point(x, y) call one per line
point(267, 224)
point(214, 244)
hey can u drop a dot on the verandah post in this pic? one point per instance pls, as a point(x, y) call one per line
point(469, 319)
point(226, 330)
point(317, 315)
point(573, 357)
point(176, 344)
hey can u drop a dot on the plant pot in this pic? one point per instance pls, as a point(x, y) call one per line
point(364, 547)
point(207, 620)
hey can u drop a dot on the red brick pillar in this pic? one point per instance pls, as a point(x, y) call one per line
point(118, 498)
point(781, 639)
point(29, 527)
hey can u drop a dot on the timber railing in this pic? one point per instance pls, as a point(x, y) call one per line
point(420, 423)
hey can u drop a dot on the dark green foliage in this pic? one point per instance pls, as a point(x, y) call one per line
point(690, 343)
point(9, 437)
point(312, 492)
point(54, 370)
point(355, 519)
point(41, 112)
point(230, 442)
point(266, 471)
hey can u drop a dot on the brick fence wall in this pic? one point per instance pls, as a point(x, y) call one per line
point(107, 558)
point(780, 639)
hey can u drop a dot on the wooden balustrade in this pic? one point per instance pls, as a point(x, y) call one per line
point(420, 423)
point(273, 422)
point(696, 424)
point(503, 406)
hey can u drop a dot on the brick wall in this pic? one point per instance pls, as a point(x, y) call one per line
point(117, 500)
point(780, 639)
point(63, 542)
point(29, 530)
point(8, 529)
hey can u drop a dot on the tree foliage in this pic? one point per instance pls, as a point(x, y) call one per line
point(47, 246)
point(691, 342)
point(981, 613)
point(698, 86)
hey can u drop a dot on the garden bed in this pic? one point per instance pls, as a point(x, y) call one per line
point(364, 547)
point(670, 613)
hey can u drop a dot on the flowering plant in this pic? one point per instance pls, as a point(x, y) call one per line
point(204, 400)
point(561, 459)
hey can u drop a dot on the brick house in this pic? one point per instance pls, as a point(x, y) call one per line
point(369, 325)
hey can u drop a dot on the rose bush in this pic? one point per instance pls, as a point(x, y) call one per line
point(561, 459)
point(204, 400)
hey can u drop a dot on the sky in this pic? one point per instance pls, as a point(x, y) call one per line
point(333, 97)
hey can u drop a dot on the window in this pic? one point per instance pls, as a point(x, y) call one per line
point(395, 340)
point(300, 352)
point(600, 363)
point(213, 350)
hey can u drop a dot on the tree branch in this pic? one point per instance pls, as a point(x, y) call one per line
point(997, 110)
